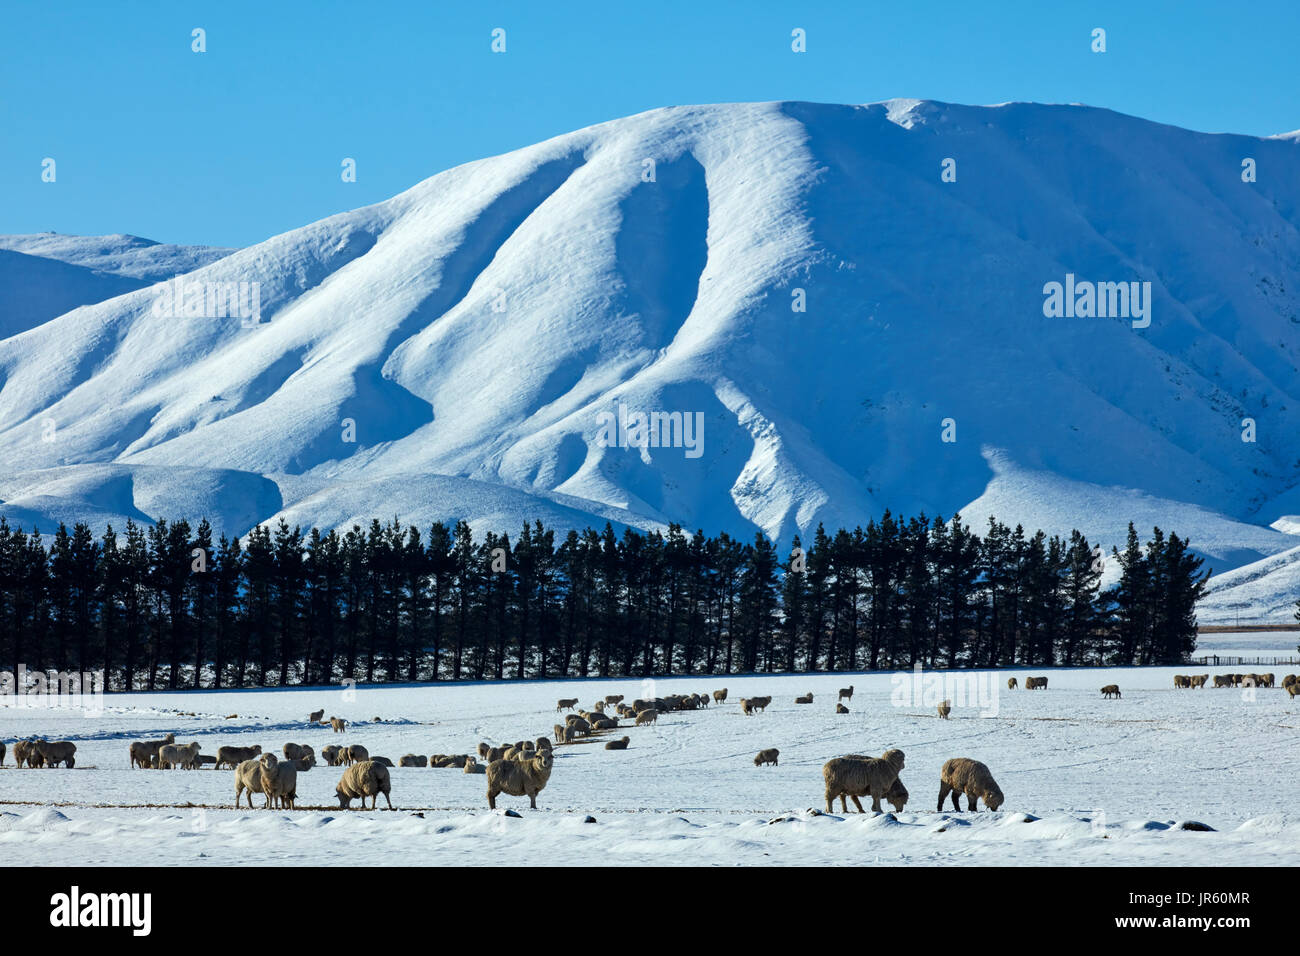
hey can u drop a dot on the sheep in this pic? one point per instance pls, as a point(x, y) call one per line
point(1222, 680)
point(518, 779)
point(897, 794)
point(316, 716)
point(234, 756)
point(21, 750)
point(963, 775)
point(339, 724)
point(647, 717)
point(145, 752)
point(618, 744)
point(57, 752)
point(841, 709)
point(745, 707)
point(1111, 690)
point(1182, 681)
point(1288, 680)
point(566, 703)
point(719, 695)
point(473, 766)
point(845, 693)
point(248, 777)
point(354, 754)
point(413, 760)
point(176, 755)
point(2, 755)
point(496, 753)
point(945, 708)
point(759, 703)
point(203, 760)
point(1293, 690)
point(805, 699)
point(1011, 683)
point(543, 743)
point(365, 779)
point(769, 755)
point(613, 699)
point(331, 754)
point(279, 781)
point(853, 777)
point(297, 751)
point(382, 761)
point(607, 723)
point(1198, 680)
point(704, 700)
point(1268, 679)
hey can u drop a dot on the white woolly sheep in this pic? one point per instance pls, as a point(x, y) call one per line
point(248, 777)
point(279, 781)
point(176, 755)
point(519, 778)
point(963, 775)
point(365, 779)
point(855, 777)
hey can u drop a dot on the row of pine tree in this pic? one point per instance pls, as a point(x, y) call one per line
point(165, 606)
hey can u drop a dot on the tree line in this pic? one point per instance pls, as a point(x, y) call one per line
point(166, 606)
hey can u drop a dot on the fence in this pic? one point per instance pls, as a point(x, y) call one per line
point(1215, 661)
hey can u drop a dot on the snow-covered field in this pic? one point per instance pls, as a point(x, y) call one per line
point(1087, 780)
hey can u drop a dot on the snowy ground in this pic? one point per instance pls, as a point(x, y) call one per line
point(1087, 780)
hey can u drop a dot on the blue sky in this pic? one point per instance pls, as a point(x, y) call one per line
point(244, 141)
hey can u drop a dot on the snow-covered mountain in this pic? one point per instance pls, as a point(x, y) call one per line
point(474, 334)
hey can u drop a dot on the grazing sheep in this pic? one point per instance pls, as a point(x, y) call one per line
point(1035, 683)
point(248, 777)
point(316, 716)
point(805, 699)
point(413, 760)
point(279, 781)
point(203, 760)
point(945, 708)
point(841, 709)
point(570, 735)
point(580, 726)
point(612, 699)
point(606, 723)
point(365, 779)
point(1288, 680)
point(618, 744)
point(146, 751)
point(519, 778)
point(845, 692)
point(719, 695)
point(297, 751)
point(1198, 680)
point(234, 756)
point(566, 703)
point(767, 756)
point(963, 775)
point(897, 794)
point(1292, 690)
point(354, 754)
point(1222, 680)
point(854, 777)
point(331, 755)
point(175, 755)
point(55, 752)
point(1111, 690)
point(745, 707)
point(647, 717)
point(1182, 681)
point(382, 761)
point(1011, 683)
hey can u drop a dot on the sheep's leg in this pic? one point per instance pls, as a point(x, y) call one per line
point(955, 804)
point(857, 803)
point(943, 794)
point(971, 800)
point(386, 800)
point(492, 800)
point(532, 799)
point(875, 802)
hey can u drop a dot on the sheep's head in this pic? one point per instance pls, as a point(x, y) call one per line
point(993, 798)
point(894, 758)
point(268, 761)
point(257, 748)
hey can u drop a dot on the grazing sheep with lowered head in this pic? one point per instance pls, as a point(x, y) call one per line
point(1110, 690)
point(647, 717)
point(769, 755)
point(55, 752)
point(365, 779)
point(1011, 683)
point(519, 778)
point(854, 777)
point(963, 775)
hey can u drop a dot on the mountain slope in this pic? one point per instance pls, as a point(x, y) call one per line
point(480, 324)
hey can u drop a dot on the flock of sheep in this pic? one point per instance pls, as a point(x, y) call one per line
point(523, 768)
